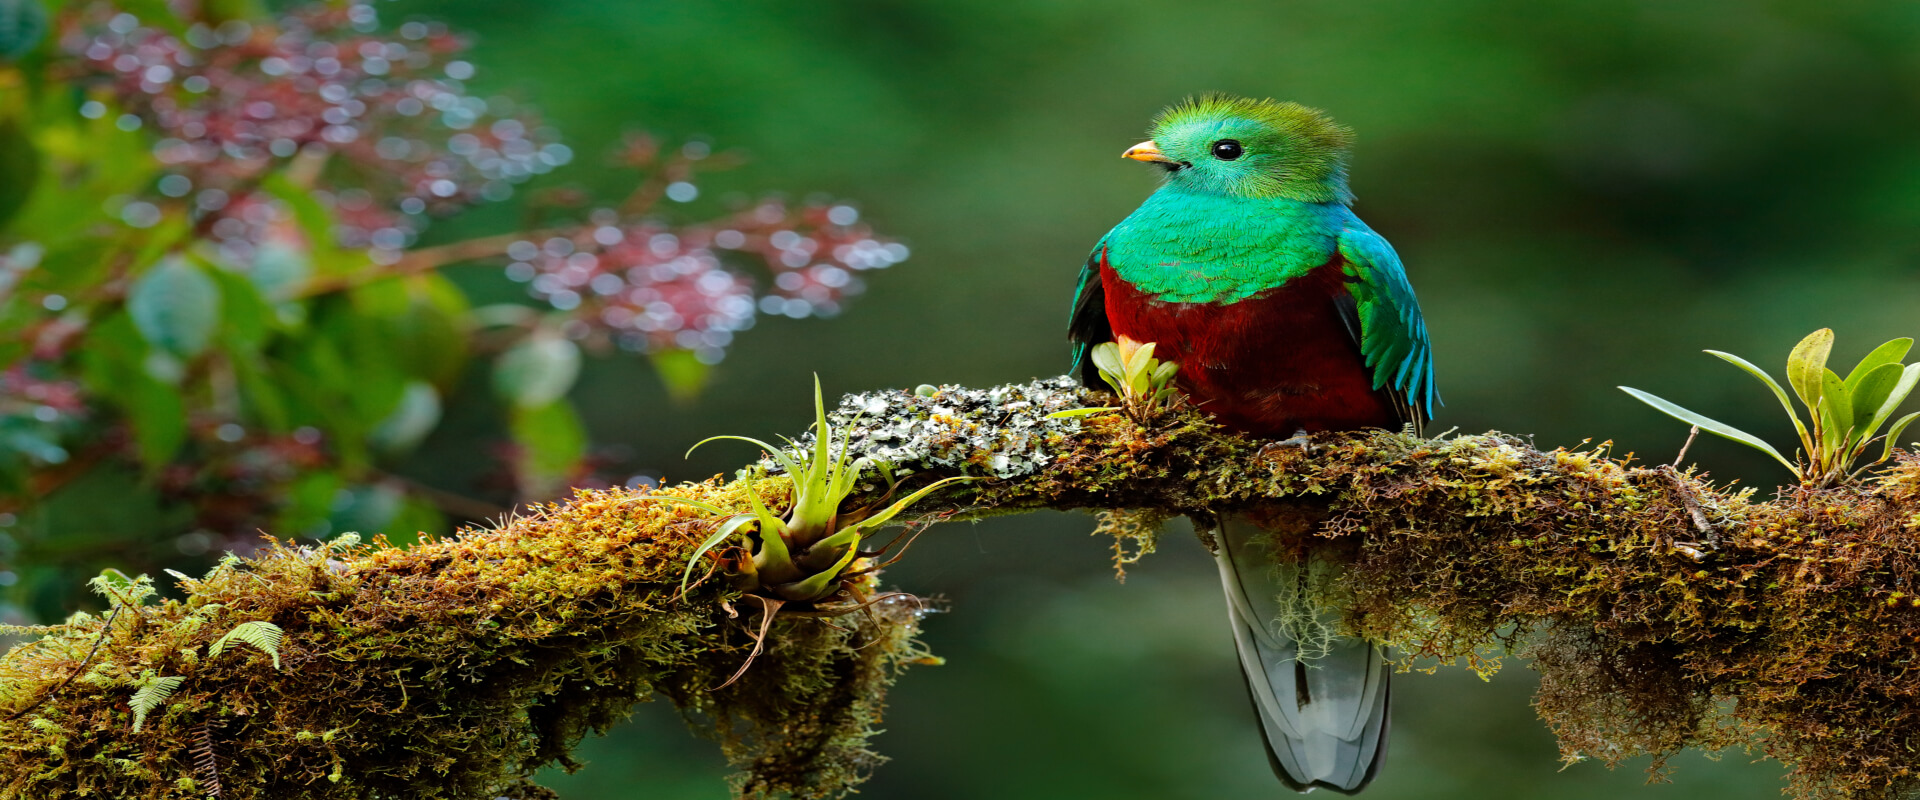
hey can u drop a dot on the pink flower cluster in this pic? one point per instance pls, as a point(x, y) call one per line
point(230, 104)
point(654, 287)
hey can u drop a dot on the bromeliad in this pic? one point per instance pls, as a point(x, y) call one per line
point(1286, 315)
point(807, 554)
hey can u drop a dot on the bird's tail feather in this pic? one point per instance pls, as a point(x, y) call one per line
point(1321, 697)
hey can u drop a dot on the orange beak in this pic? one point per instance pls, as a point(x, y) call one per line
point(1147, 151)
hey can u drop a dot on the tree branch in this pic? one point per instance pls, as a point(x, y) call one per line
point(454, 668)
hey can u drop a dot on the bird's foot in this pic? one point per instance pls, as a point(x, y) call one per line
point(1298, 439)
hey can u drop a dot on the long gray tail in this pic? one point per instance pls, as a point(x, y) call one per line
point(1321, 697)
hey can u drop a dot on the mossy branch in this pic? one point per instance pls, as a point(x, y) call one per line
point(1662, 612)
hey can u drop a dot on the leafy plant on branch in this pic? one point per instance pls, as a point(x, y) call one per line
point(1143, 383)
point(215, 310)
point(1844, 415)
point(808, 554)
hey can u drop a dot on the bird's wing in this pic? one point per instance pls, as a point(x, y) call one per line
point(1089, 325)
point(1384, 318)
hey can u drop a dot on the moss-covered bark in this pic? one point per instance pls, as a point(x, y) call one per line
point(1668, 613)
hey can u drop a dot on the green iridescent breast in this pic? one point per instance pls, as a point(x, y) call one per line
point(1185, 247)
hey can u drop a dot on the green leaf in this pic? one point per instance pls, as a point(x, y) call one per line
point(1106, 358)
point(159, 418)
point(1082, 412)
point(245, 318)
point(151, 695)
point(1778, 392)
point(1805, 364)
point(891, 511)
point(280, 269)
point(552, 440)
point(1836, 408)
point(1869, 392)
point(814, 586)
point(429, 330)
point(1909, 376)
point(175, 306)
point(1889, 353)
point(19, 159)
point(23, 23)
point(415, 417)
point(1165, 373)
point(1893, 433)
point(779, 456)
point(537, 371)
point(721, 533)
point(263, 635)
point(316, 225)
point(682, 373)
point(1711, 425)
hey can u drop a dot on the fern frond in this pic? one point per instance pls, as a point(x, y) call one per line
point(151, 696)
point(206, 764)
point(263, 635)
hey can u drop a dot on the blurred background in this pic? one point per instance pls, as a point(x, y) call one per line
point(1586, 194)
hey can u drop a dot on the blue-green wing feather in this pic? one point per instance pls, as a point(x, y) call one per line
point(1088, 325)
point(1392, 334)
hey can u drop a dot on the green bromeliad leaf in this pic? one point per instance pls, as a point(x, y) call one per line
point(1710, 425)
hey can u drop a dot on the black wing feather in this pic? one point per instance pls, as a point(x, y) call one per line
point(1089, 325)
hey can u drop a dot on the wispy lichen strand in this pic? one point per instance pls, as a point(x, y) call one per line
point(1665, 613)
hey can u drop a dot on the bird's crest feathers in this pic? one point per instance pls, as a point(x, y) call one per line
point(1293, 151)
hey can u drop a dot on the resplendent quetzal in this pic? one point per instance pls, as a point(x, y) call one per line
point(1287, 314)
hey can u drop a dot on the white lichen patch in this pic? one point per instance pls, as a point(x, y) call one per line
point(1004, 432)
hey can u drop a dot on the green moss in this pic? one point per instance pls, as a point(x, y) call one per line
point(452, 669)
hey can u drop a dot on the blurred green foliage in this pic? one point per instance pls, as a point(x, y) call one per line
point(215, 319)
point(1586, 194)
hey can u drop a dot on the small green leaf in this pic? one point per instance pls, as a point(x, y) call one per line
point(1763, 377)
point(1836, 408)
point(280, 269)
point(1909, 376)
point(175, 306)
point(151, 695)
point(19, 159)
point(1889, 353)
point(1711, 425)
point(159, 418)
point(1106, 358)
point(552, 440)
point(875, 521)
point(538, 370)
point(263, 635)
point(779, 456)
point(1805, 364)
point(682, 372)
point(412, 419)
point(722, 533)
point(1089, 411)
point(1869, 392)
point(1165, 373)
point(1893, 433)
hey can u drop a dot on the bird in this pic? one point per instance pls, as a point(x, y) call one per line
point(1286, 315)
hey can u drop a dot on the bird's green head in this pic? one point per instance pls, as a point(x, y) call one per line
point(1223, 144)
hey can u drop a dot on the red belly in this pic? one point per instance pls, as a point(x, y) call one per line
point(1269, 365)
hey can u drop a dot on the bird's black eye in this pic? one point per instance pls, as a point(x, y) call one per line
point(1226, 149)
